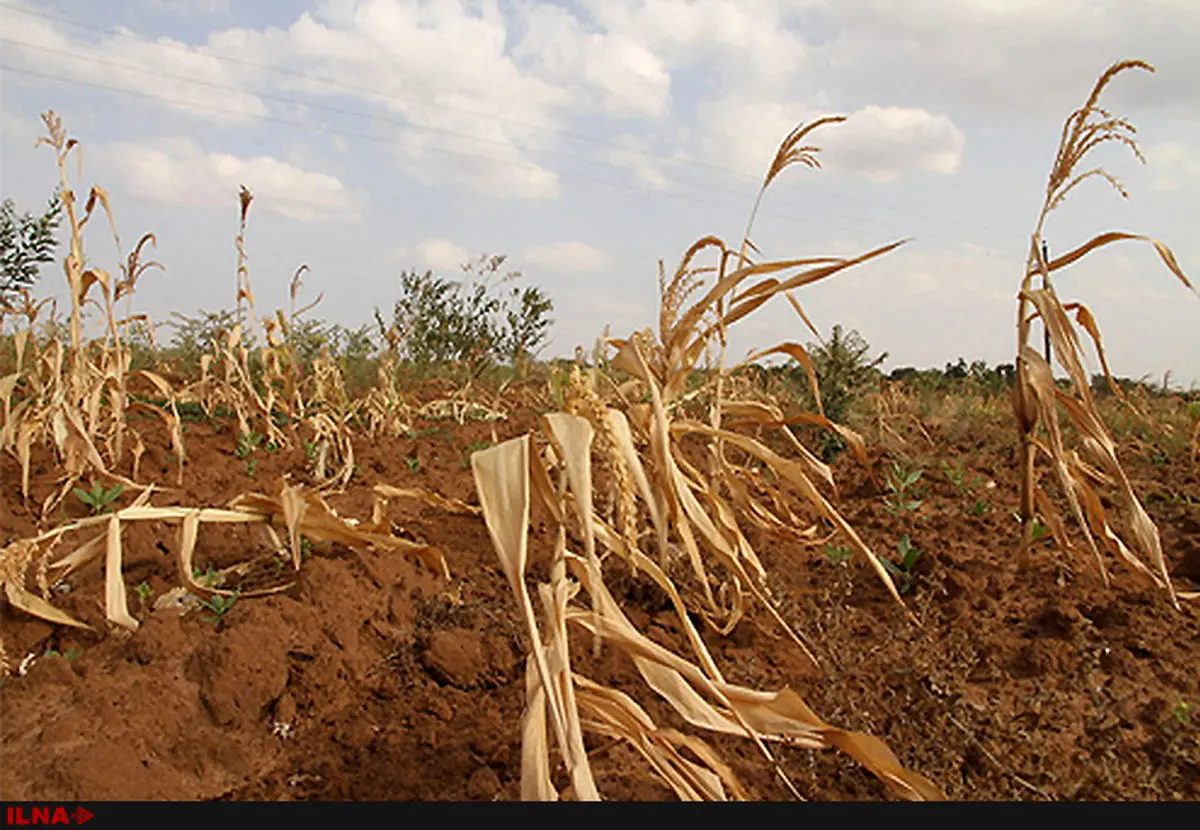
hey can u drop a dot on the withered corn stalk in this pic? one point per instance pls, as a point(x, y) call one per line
point(692, 519)
point(75, 399)
point(509, 477)
point(1037, 396)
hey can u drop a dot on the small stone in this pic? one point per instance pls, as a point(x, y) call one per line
point(455, 658)
point(285, 708)
point(483, 784)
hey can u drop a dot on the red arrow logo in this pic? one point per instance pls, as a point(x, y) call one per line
point(81, 815)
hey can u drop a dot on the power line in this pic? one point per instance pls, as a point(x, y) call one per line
point(183, 47)
point(771, 211)
point(398, 122)
point(767, 213)
point(819, 192)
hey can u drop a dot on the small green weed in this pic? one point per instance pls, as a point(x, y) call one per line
point(247, 443)
point(220, 605)
point(838, 554)
point(956, 475)
point(71, 654)
point(206, 578)
point(900, 483)
point(909, 555)
point(251, 466)
point(980, 508)
point(414, 463)
point(99, 499)
point(143, 591)
point(1182, 712)
point(1040, 530)
point(472, 448)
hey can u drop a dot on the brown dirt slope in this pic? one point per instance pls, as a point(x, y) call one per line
point(373, 679)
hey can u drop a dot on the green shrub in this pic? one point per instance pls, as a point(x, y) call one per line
point(479, 321)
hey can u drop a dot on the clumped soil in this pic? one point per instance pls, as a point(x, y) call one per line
point(372, 678)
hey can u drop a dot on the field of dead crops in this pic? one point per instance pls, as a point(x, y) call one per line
point(644, 575)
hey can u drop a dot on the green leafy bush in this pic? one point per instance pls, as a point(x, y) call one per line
point(479, 321)
point(26, 243)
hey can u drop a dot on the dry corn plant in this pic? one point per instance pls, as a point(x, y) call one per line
point(75, 398)
point(316, 399)
point(290, 514)
point(896, 407)
point(460, 410)
point(244, 292)
point(1036, 395)
point(1194, 439)
point(663, 365)
point(657, 497)
point(384, 407)
point(508, 477)
point(226, 380)
point(283, 371)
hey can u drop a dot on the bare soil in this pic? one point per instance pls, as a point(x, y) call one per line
point(373, 679)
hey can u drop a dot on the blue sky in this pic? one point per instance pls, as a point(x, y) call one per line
point(589, 139)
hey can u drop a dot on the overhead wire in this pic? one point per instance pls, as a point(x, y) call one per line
point(768, 212)
point(819, 193)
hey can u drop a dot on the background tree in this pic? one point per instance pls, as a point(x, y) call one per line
point(845, 372)
point(26, 243)
point(480, 321)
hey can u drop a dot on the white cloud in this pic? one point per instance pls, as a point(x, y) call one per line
point(565, 256)
point(613, 71)
point(177, 171)
point(744, 43)
point(128, 61)
point(473, 115)
point(631, 78)
point(1174, 165)
point(882, 143)
point(1023, 58)
point(743, 134)
point(442, 254)
point(190, 8)
point(633, 154)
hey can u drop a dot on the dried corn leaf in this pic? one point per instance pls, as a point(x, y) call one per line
point(115, 606)
point(440, 502)
point(554, 599)
point(616, 715)
point(38, 607)
point(502, 481)
point(779, 716)
point(536, 784)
